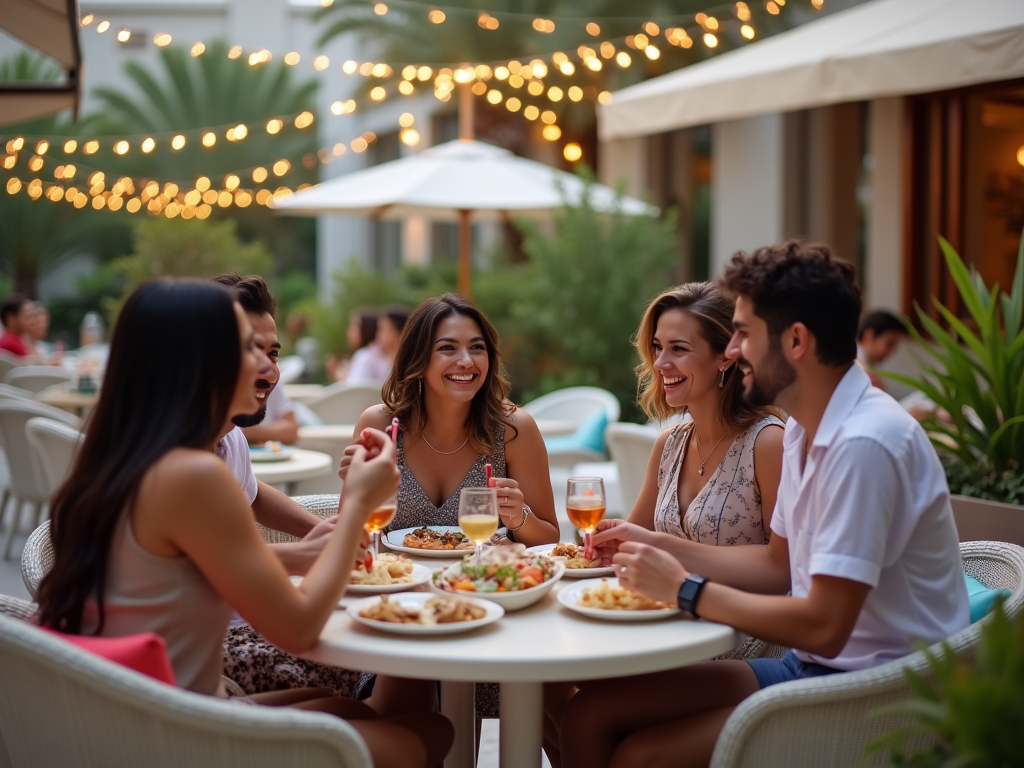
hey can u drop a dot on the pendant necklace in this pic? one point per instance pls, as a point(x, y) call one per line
point(702, 459)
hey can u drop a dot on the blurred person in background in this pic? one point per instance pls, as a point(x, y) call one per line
point(878, 338)
point(38, 328)
point(361, 332)
point(372, 364)
point(15, 314)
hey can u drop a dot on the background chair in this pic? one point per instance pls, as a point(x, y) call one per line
point(65, 706)
point(14, 393)
point(574, 404)
point(344, 403)
point(36, 378)
point(27, 485)
point(291, 368)
point(53, 445)
point(8, 363)
point(630, 446)
point(826, 720)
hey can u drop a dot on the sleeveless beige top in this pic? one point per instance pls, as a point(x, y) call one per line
point(168, 596)
point(727, 511)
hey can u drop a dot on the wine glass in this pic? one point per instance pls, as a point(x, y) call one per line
point(585, 504)
point(376, 522)
point(478, 516)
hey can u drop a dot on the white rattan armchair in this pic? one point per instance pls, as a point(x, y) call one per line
point(65, 707)
point(826, 721)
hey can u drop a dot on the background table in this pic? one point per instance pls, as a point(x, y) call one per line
point(303, 465)
point(522, 651)
point(78, 403)
point(303, 393)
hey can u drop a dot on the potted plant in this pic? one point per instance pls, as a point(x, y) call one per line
point(975, 375)
point(970, 708)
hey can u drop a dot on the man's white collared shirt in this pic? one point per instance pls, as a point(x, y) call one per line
point(871, 504)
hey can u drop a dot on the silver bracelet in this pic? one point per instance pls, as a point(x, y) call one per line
point(526, 513)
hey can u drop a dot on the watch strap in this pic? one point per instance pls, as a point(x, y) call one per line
point(689, 593)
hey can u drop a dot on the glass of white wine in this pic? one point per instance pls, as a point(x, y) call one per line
point(478, 516)
point(585, 504)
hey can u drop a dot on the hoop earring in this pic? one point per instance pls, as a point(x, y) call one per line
point(721, 379)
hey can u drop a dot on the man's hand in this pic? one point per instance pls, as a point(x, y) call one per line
point(610, 535)
point(650, 571)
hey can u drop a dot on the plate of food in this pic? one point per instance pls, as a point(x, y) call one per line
point(605, 599)
point(421, 613)
point(270, 451)
point(508, 575)
point(576, 565)
point(429, 541)
point(389, 573)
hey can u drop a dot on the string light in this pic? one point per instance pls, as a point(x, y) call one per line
point(572, 152)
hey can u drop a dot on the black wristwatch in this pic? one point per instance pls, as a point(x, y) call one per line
point(690, 592)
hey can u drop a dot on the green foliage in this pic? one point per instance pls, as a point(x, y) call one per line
point(977, 373)
point(193, 248)
point(983, 481)
point(567, 314)
point(974, 709)
point(94, 292)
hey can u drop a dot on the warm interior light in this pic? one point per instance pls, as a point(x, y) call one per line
point(1020, 155)
point(209, 139)
point(410, 137)
point(178, 142)
point(593, 29)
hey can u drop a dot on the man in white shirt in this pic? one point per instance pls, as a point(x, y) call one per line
point(271, 508)
point(862, 535)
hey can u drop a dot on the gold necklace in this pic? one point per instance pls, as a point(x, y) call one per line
point(702, 459)
point(449, 453)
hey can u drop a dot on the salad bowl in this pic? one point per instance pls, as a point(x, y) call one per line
point(512, 580)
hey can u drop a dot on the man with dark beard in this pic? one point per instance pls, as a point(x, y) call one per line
point(863, 561)
point(271, 508)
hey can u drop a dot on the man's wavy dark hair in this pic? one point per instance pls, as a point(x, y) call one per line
point(251, 292)
point(798, 282)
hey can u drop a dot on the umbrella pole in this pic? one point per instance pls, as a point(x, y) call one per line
point(465, 260)
point(466, 128)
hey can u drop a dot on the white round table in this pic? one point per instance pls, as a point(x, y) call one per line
point(522, 651)
point(303, 465)
point(303, 393)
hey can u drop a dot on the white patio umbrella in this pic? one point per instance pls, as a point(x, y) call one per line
point(454, 182)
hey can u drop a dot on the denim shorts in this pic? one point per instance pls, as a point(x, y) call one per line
point(789, 667)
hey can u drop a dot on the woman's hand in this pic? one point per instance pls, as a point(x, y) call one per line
point(510, 501)
point(365, 441)
point(610, 535)
point(372, 476)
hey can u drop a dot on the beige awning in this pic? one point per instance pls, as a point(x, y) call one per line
point(881, 48)
point(50, 27)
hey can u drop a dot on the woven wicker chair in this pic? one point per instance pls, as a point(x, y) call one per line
point(37, 556)
point(64, 706)
point(826, 720)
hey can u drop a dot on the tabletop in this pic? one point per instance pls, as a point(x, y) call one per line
point(303, 393)
point(303, 465)
point(542, 643)
point(67, 400)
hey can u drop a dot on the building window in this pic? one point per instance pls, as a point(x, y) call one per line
point(385, 236)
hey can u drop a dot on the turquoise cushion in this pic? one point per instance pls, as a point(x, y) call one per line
point(589, 435)
point(981, 598)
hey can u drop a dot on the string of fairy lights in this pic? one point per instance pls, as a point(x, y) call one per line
point(517, 84)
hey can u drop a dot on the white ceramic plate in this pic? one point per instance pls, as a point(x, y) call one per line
point(417, 600)
point(573, 573)
point(511, 601)
point(570, 598)
point(267, 455)
point(394, 539)
point(420, 576)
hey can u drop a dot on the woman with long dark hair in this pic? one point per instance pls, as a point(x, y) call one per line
point(151, 532)
point(449, 391)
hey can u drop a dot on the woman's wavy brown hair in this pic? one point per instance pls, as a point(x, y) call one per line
point(713, 310)
point(402, 393)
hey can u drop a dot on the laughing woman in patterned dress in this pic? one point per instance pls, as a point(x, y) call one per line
point(449, 392)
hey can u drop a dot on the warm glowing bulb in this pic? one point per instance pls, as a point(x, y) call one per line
point(198, 49)
point(548, 117)
point(436, 16)
point(380, 9)
point(410, 137)
point(203, 183)
point(304, 120)
point(320, 63)
point(593, 29)
point(281, 167)
point(572, 152)
point(604, 97)
point(406, 119)
point(70, 146)
point(259, 175)
point(274, 126)
point(406, 88)
point(513, 104)
point(555, 93)
point(231, 181)
point(710, 40)
point(747, 31)
point(121, 147)
point(162, 40)
point(88, 19)
point(575, 93)
point(124, 35)
point(623, 59)
point(350, 67)
point(234, 52)
point(1020, 155)
point(91, 147)
point(494, 96)
point(378, 93)
point(42, 146)
point(102, 27)
point(531, 112)
point(652, 52)
point(552, 132)
point(178, 142)
point(241, 131)
point(292, 58)
point(148, 145)
point(209, 139)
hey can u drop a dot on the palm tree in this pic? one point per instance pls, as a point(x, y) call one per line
point(37, 235)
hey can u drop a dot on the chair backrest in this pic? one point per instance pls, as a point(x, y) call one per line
point(14, 393)
point(630, 446)
point(36, 378)
point(8, 363)
point(574, 404)
point(27, 481)
point(54, 445)
point(344, 403)
point(290, 368)
point(65, 706)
